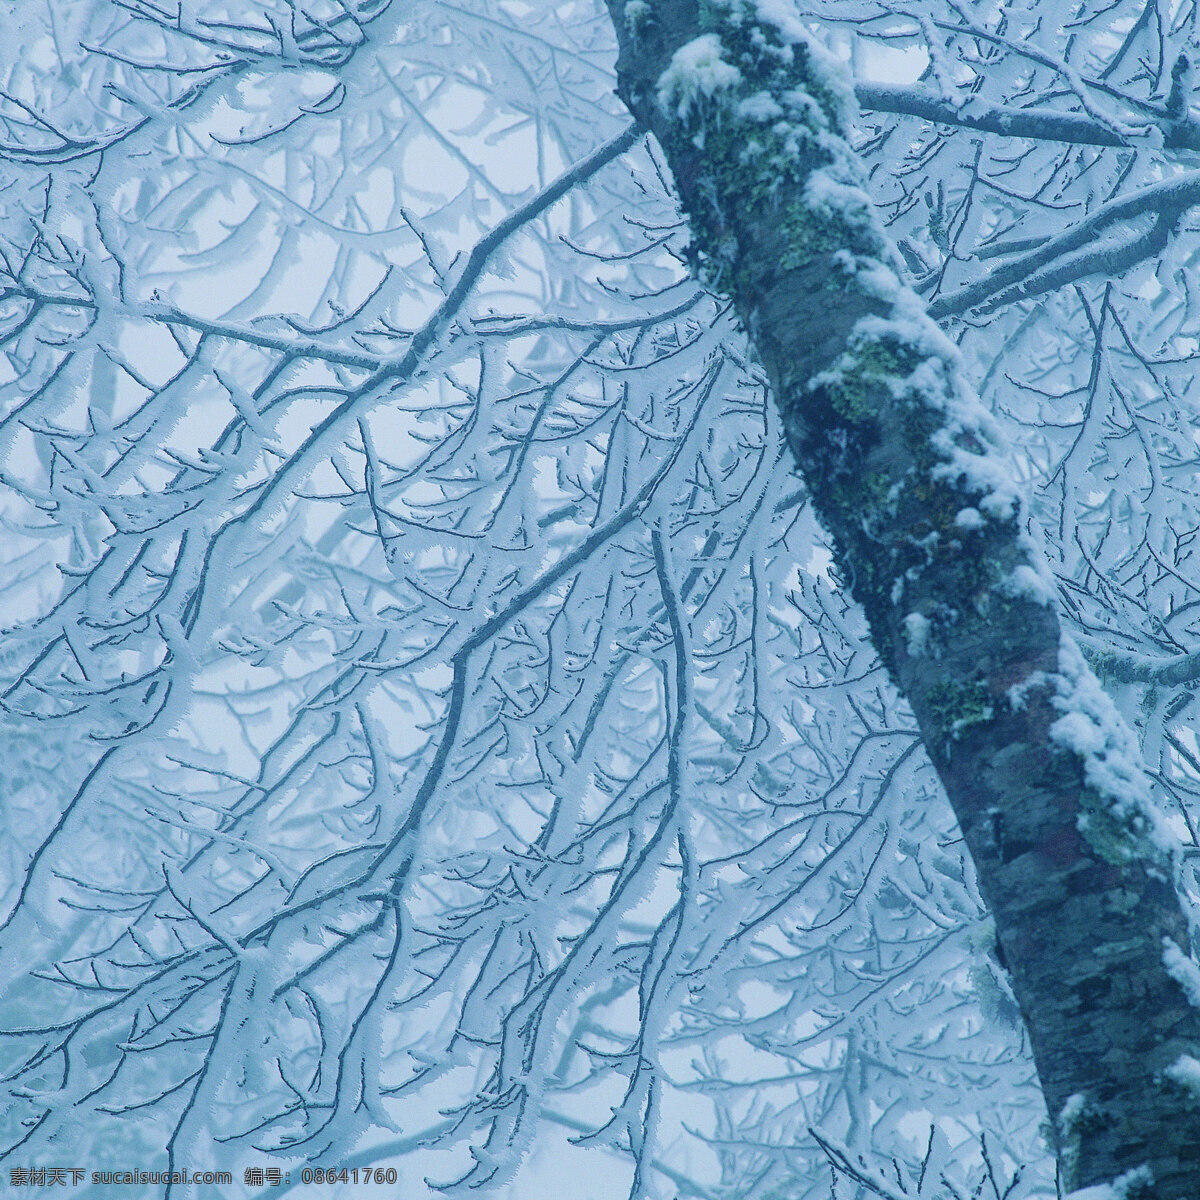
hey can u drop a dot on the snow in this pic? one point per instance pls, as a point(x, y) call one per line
point(973, 449)
point(1030, 583)
point(1139, 1179)
point(1071, 1111)
point(826, 71)
point(1101, 1191)
point(1092, 728)
point(782, 16)
point(762, 107)
point(1017, 693)
point(985, 714)
point(697, 72)
point(985, 474)
point(1183, 970)
point(969, 518)
point(1185, 1071)
point(916, 634)
point(636, 13)
point(827, 195)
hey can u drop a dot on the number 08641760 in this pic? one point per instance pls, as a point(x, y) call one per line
point(348, 1175)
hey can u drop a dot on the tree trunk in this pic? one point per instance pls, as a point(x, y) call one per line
point(906, 473)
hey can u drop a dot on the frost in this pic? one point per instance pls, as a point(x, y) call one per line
point(981, 936)
point(1185, 1071)
point(697, 72)
point(974, 451)
point(457, 861)
point(1183, 970)
point(916, 634)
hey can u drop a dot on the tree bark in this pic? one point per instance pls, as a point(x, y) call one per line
point(908, 477)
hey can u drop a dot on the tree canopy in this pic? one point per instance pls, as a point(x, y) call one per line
point(435, 731)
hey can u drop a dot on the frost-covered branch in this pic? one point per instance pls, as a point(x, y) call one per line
point(1083, 250)
point(238, 590)
point(1077, 129)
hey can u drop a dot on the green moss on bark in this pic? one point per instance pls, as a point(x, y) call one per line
point(958, 707)
point(809, 236)
point(751, 157)
point(864, 378)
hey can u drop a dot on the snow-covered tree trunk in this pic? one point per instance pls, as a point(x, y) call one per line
point(908, 475)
